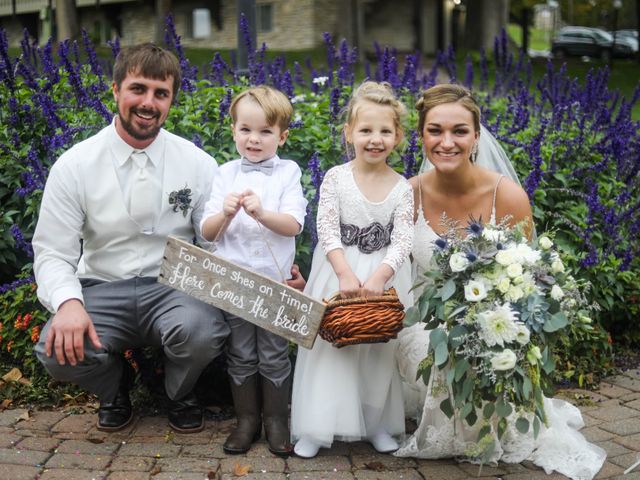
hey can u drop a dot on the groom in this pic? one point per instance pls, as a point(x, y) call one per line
point(108, 206)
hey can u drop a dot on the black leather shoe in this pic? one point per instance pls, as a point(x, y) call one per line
point(117, 414)
point(185, 415)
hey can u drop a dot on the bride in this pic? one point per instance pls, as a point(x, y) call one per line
point(456, 185)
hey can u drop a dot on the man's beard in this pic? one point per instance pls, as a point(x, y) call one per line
point(129, 127)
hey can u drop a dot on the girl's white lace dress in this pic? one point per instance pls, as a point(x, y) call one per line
point(347, 393)
point(559, 447)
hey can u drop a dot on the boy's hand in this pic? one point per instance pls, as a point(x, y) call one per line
point(252, 204)
point(232, 204)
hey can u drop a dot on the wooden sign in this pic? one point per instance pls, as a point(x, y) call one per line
point(260, 300)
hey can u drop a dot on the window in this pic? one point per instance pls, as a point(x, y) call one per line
point(264, 17)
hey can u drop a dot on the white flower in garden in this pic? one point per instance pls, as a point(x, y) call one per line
point(523, 335)
point(320, 81)
point(556, 293)
point(504, 360)
point(507, 256)
point(503, 285)
point(458, 262)
point(474, 291)
point(498, 326)
point(514, 270)
point(545, 243)
point(298, 99)
point(557, 266)
point(533, 355)
point(492, 235)
point(514, 293)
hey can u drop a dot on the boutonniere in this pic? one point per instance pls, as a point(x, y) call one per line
point(181, 199)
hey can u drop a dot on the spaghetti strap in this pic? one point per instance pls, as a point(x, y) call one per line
point(493, 205)
point(420, 209)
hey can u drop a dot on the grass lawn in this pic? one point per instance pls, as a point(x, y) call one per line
point(538, 39)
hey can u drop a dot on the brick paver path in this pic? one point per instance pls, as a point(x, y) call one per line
point(60, 445)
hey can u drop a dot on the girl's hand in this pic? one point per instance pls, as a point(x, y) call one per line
point(373, 287)
point(252, 204)
point(232, 204)
point(349, 285)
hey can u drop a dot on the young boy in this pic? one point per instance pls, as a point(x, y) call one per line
point(257, 207)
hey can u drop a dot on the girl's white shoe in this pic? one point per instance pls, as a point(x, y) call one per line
point(383, 442)
point(307, 448)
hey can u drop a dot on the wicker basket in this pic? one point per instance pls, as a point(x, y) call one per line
point(349, 321)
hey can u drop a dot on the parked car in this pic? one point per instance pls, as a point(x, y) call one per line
point(630, 36)
point(591, 42)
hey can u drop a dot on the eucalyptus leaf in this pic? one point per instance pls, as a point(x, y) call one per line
point(527, 387)
point(466, 409)
point(472, 418)
point(436, 337)
point(555, 322)
point(522, 425)
point(536, 427)
point(448, 289)
point(426, 375)
point(461, 368)
point(488, 410)
point(503, 409)
point(411, 317)
point(450, 376)
point(441, 354)
point(446, 407)
point(502, 427)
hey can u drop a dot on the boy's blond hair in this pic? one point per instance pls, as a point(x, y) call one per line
point(276, 106)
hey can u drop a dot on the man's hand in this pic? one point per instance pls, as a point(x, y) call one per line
point(67, 331)
point(296, 281)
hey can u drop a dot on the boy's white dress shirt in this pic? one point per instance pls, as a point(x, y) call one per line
point(244, 241)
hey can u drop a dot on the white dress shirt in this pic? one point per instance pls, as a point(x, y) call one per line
point(84, 228)
point(244, 240)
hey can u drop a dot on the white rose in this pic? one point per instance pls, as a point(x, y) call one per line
point(503, 285)
point(514, 293)
point(504, 360)
point(474, 291)
point(527, 254)
point(458, 262)
point(545, 243)
point(514, 270)
point(506, 257)
point(557, 266)
point(523, 335)
point(556, 292)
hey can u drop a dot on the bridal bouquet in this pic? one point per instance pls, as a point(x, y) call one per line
point(495, 305)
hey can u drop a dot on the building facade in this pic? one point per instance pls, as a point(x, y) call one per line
point(408, 25)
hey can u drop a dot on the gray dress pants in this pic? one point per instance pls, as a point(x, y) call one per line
point(251, 349)
point(140, 312)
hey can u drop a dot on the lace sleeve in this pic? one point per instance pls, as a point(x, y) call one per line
point(328, 219)
point(402, 235)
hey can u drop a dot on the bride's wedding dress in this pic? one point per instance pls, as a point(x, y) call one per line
point(559, 446)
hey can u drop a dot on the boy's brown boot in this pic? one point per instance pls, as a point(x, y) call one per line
point(246, 400)
point(275, 416)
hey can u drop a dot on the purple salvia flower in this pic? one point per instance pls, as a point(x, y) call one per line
point(21, 243)
point(9, 287)
point(115, 46)
point(468, 73)
point(409, 155)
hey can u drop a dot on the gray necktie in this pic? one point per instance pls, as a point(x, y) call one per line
point(142, 206)
point(265, 166)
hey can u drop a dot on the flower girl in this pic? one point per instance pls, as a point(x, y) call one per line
point(365, 232)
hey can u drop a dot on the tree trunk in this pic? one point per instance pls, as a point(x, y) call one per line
point(67, 20)
point(483, 22)
point(163, 8)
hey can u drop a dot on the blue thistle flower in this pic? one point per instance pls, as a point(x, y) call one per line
point(474, 226)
